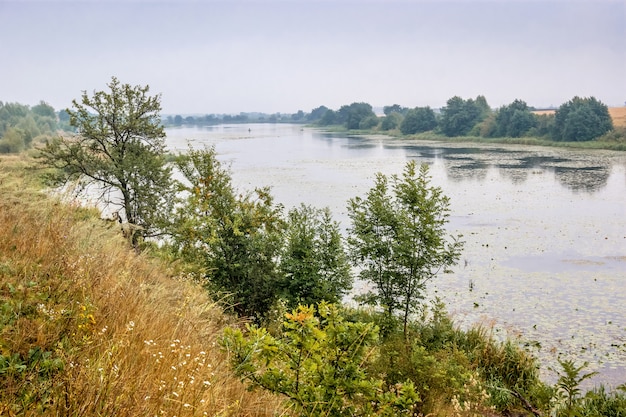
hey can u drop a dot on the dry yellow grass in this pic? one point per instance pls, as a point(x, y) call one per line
point(542, 112)
point(133, 341)
point(618, 114)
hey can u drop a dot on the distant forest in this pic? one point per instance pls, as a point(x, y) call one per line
point(579, 119)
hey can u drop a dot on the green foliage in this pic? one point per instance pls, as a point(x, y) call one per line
point(316, 114)
point(12, 141)
point(399, 240)
point(514, 120)
point(354, 114)
point(460, 116)
point(391, 121)
point(120, 150)
point(465, 369)
point(20, 125)
point(235, 237)
point(313, 263)
point(369, 122)
point(395, 108)
point(318, 364)
point(417, 120)
point(330, 117)
point(568, 401)
point(581, 119)
point(600, 403)
point(30, 379)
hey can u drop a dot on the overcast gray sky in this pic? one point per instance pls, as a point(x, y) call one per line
point(289, 55)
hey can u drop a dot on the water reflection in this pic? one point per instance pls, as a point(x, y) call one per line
point(585, 179)
point(579, 173)
point(344, 141)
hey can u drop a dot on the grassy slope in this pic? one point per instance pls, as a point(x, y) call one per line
point(88, 327)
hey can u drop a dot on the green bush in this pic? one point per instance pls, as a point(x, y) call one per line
point(317, 362)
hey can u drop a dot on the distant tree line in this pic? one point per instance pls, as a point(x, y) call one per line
point(251, 117)
point(580, 119)
point(22, 125)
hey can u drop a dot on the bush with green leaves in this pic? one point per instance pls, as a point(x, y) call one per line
point(514, 120)
point(417, 120)
point(318, 363)
point(21, 125)
point(581, 119)
point(398, 239)
point(391, 121)
point(313, 264)
point(459, 116)
point(234, 237)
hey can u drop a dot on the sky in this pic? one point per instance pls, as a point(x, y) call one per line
point(270, 56)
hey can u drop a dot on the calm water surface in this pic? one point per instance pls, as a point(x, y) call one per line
point(545, 228)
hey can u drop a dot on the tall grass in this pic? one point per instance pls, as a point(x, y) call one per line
point(88, 327)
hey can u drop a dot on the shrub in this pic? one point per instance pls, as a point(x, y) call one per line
point(317, 363)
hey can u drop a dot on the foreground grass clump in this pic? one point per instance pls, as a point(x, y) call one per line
point(89, 327)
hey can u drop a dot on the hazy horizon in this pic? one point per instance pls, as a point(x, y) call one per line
point(281, 56)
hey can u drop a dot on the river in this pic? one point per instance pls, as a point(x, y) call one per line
point(545, 228)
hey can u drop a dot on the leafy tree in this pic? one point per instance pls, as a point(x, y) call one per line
point(20, 125)
point(391, 121)
point(314, 264)
point(297, 116)
point(11, 114)
point(43, 109)
point(317, 113)
point(318, 363)
point(419, 119)
point(545, 125)
point(329, 118)
point(460, 116)
point(396, 108)
point(119, 149)
point(481, 104)
point(234, 237)
point(369, 122)
point(29, 129)
point(12, 141)
point(352, 116)
point(581, 119)
point(514, 120)
point(64, 120)
point(399, 240)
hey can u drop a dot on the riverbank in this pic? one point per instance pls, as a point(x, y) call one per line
point(106, 331)
point(614, 141)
